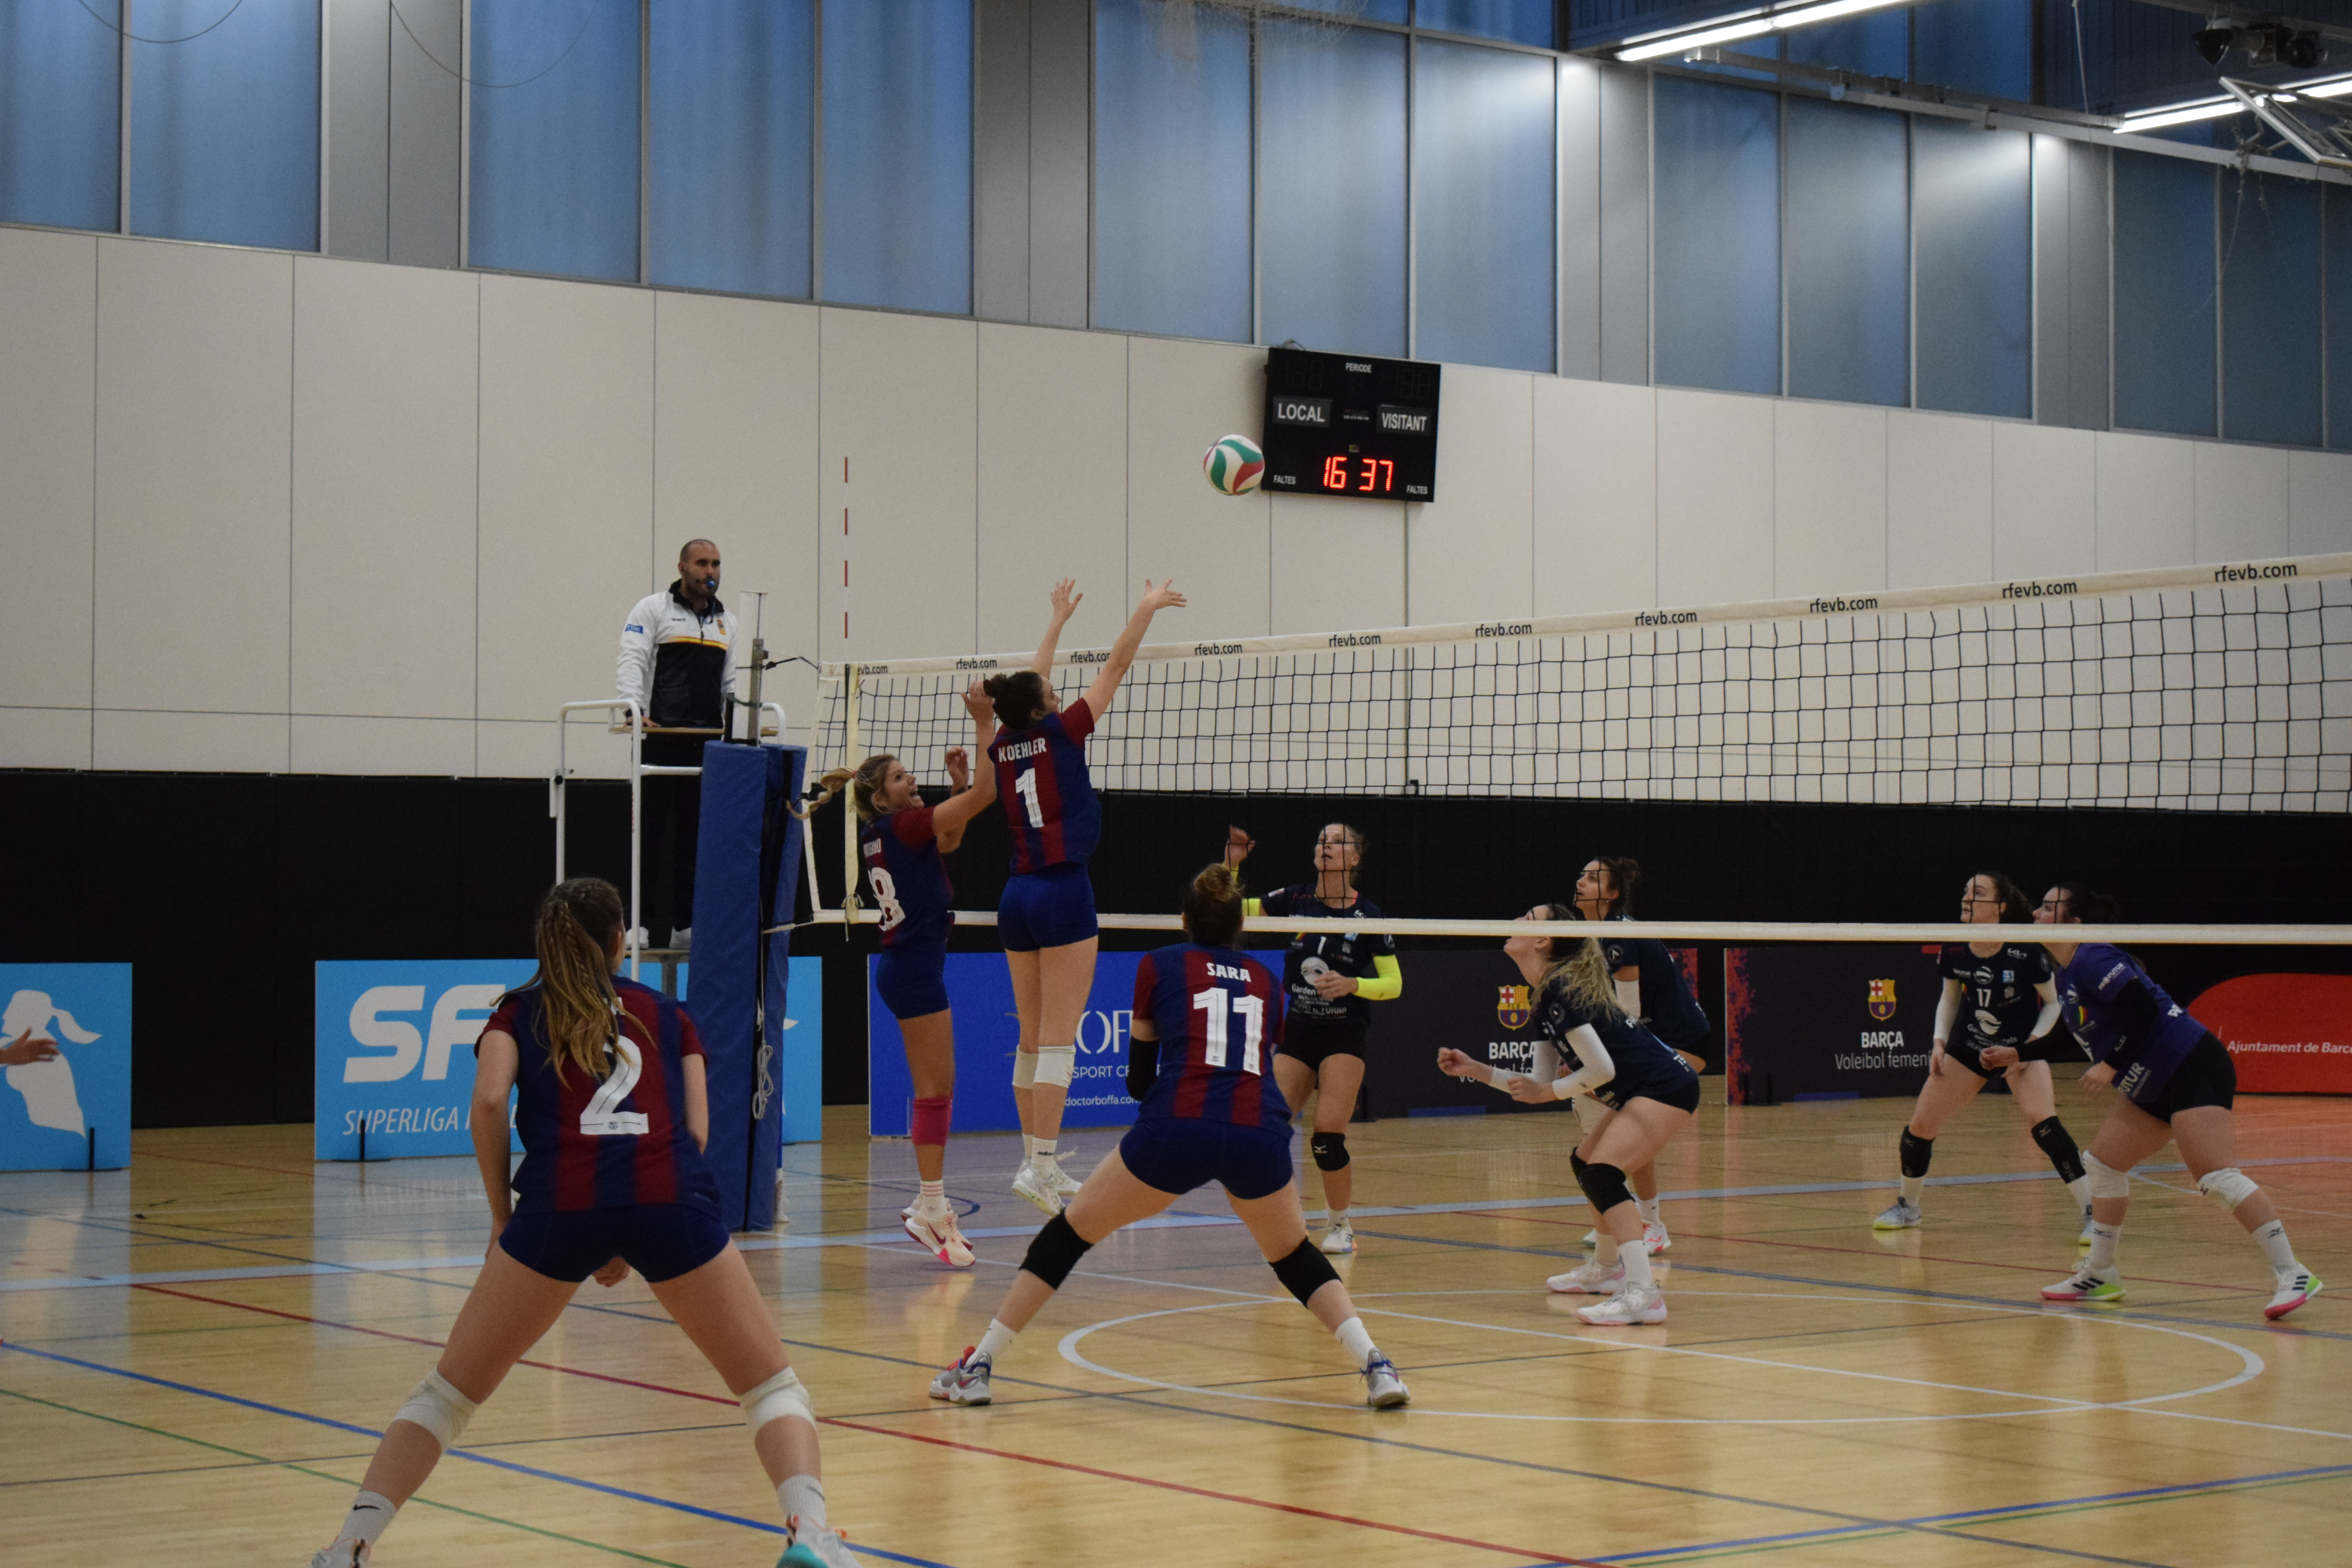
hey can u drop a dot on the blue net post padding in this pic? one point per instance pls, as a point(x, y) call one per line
point(747, 875)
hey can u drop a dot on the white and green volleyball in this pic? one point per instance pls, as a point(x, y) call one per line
point(1235, 465)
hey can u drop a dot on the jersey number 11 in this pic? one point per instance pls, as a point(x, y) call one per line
point(1213, 1002)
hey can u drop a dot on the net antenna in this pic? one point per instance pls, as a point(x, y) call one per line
point(2315, 122)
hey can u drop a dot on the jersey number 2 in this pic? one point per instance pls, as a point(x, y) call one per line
point(1024, 784)
point(604, 1119)
point(1213, 1002)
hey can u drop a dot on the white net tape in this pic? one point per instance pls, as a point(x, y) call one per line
point(2226, 688)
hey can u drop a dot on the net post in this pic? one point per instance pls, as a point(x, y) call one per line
point(850, 688)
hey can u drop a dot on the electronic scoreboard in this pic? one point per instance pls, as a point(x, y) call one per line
point(1349, 425)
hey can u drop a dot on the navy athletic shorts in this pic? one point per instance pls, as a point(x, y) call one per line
point(2206, 1076)
point(913, 980)
point(660, 1241)
point(1051, 908)
point(1178, 1153)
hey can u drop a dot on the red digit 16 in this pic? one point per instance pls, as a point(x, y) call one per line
point(1335, 473)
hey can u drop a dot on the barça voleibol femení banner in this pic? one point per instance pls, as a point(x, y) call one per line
point(66, 1106)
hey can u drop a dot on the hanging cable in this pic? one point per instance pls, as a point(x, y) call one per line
point(233, 9)
point(475, 82)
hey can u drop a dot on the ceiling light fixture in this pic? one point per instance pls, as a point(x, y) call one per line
point(1749, 24)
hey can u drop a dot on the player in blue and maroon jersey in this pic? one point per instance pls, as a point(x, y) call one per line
point(1047, 915)
point(1207, 1020)
point(900, 843)
point(614, 1113)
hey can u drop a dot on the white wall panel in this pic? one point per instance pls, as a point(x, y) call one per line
point(2146, 501)
point(1938, 499)
point(1473, 549)
point(189, 742)
point(1180, 397)
point(384, 563)
point(2044, 492)
point(44, 737)
point(900, 409)
point(1338, 565)
point(735, 460)
point(1052, 485)
point(566, 488)
point(2319, 489)
point(1595, 501)
point(1829, 488)
point(2243, 502)
point(1715, 497)
point(195, 415)
point(331, 744)
point(48, 327)
point(514, 749)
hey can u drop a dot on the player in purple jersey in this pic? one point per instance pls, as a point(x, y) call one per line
point(1207, 1021)
point(900, 843)
point(614, 1113)
point(1997, 992)
point(1047, 915)
point(2177, 1085)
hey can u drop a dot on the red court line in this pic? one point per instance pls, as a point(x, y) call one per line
point(1523, 1553)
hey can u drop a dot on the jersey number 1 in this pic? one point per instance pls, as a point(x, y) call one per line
point(1213, 1002)
point(1024, 784)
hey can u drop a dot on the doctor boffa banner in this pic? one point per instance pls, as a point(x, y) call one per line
point(1827, 1020)
point(70, 1109)
point(395, 1053)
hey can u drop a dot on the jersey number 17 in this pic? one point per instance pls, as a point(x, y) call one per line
point(1213, 1003)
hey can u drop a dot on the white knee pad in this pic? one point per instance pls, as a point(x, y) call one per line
point(439, 1408)
point(1024, 1069)
point(1056, 1064)
point(2229, 1187)
point(2106, 1182)
point(782, 1395)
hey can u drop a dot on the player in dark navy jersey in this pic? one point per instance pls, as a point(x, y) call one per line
point(1208, 1019)
point(2177, 1085)
point(1997, 991)
point(902, 844)
point(1046, 914)
point(612, 1110)
point(1332, 978)
point(1650, 988)
point(1650, 1095)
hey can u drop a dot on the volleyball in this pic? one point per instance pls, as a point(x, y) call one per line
point(1235, 465)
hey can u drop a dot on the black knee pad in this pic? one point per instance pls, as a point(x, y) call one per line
point(1577, 1167)
point(1603, 1185)
point(2050, 1135)
point(1305, 1272)
point(1054, 1251)
point(1330, 1151)
point(1916, 1152)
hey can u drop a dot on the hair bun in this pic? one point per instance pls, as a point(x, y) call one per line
point(1215, 882)
point(997, 685)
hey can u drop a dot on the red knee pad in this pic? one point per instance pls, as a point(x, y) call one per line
point(932, 1119)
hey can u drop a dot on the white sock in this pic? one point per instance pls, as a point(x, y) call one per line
point(1356, 1340)
point(1045, 1154)
point(371, 1515)
point(933, 1196)
point(991, 1343)
point(2103, 1243)
point(1649, 1208)
point(803, 1498)
point(2272, 1239)
point(1028, 1148)
point(2081, 1187)
point(1634, 1259)
point(1912, 1187)
point(1339, 1218)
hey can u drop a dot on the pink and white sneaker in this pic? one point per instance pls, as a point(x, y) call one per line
point(938, 1235)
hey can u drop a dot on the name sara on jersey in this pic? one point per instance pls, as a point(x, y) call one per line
point(1228, 972)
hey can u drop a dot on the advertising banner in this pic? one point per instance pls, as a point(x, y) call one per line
point(69, 1111)
point(988, 1033)
point(1827, 1020)
point(395, 1053)
point(2287, 1034)
point(1474, 1002)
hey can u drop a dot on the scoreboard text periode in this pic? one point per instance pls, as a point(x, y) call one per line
point(1349, 425)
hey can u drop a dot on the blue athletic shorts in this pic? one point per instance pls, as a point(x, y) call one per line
point(913, 980)
point(1051, 908)
point(660, 1241)
point(1178, 1153)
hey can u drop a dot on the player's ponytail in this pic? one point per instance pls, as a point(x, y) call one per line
point(2087, 905)
point(579, 1012)
point(1579, 970)
point(1020, 698)
point(864, 781)
point(1212, 907)
point(2015, 905)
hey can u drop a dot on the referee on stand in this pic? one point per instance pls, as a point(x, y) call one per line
point(678, 659)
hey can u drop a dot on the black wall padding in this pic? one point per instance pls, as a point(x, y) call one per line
point(224, 889)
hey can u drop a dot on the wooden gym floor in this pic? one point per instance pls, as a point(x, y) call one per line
point(199, 1352)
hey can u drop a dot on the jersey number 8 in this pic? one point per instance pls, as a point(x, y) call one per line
point(1213, 1002)
point(885, 894)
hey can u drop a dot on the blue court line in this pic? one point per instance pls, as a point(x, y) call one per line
point(862, 1547)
